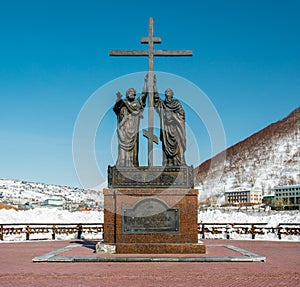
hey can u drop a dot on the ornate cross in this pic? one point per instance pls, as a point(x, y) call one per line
point(150, 53)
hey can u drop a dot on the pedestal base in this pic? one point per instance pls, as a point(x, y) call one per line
point(150, 216)
point(154, 221)
point(151, 210)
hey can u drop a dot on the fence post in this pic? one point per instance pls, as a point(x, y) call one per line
point(227, 231)
point(79, 228)
point(279, 231)
point(253, 231)
point(53, 231)
point(27, 232)
point(203, 230)
point(1, 232)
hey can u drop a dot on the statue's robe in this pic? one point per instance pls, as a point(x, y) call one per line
point(129, 114)
point(172, 131)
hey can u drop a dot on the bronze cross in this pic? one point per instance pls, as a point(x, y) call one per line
point(150, 53)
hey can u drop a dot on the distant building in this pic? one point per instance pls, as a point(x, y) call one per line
point(53, 202)
point(267, 199)
point(290, 195)
point(243, 195)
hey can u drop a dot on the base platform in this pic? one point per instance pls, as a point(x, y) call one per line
point(84, 252)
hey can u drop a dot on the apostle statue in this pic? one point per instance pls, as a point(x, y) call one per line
point(172, 127)
point(129, 111)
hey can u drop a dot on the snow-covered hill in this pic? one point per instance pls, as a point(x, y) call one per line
point(19, 192)
point(267, 158)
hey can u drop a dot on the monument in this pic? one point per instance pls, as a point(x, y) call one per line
point(151, 209)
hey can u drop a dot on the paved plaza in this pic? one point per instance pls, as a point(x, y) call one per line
point(281, 267)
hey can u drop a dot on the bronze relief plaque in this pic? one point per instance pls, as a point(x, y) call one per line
point(150, 215)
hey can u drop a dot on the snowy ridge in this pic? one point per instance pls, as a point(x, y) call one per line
point(267, 158)
point(18, 192)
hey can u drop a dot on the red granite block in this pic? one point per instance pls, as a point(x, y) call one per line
point(185, 200)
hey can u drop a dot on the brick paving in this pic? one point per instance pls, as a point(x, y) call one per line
point(280, 269)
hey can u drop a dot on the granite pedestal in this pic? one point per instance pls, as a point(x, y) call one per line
point(158, 219)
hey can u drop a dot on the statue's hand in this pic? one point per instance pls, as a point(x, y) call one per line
point(154, 79)
point(119, 96)
point(146, 78)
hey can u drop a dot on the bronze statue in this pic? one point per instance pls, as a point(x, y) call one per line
point(172, 128)
point(129, 112)
point(174, 172)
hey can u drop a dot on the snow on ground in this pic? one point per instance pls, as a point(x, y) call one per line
point(272, 218)
point(49, 215)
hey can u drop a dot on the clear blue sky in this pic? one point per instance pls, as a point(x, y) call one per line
point(55, 54)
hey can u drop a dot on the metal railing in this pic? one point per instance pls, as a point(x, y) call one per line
point(205, 230)
point(49, 228)
point(251, 229)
